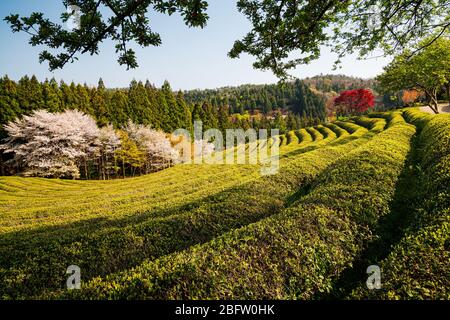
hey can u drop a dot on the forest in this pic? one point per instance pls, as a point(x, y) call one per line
point(161, 108)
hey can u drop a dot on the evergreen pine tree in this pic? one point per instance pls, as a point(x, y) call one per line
point(52, 96)
point(197, 113)
point(291, 122)
point(223, 119)
point(184, 113)
point(279, 123)
point(140, 109)
point(209, 119)
point(118, 109)
point(83, 99)
point(173, 113)
point(68, 96)
point(98, 103)
point(162, 111)
point(9, 104)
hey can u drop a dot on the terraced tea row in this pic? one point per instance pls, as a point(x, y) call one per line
point(49, 200)
point(26, 201)
point(102, 247)
point(417, 266)
point(295, 253)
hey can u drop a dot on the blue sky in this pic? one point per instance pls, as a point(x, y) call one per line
point(188, 57)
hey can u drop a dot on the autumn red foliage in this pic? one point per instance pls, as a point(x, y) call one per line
point(410, 96)
point(354, 101)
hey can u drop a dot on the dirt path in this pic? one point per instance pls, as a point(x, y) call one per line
point(443, 108)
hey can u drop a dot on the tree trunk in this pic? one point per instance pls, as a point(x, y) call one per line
point(99, 168)
point(102, 164)
point(116, 169)
point(2, 168)
point(434, 106)
point(106, 163)
point(432, 101)
point(85, 170)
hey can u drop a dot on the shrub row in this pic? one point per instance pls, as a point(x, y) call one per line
point(289, 137)
point(124, 243)
point(326, 132)
point(303, 136)
point(294, 254)
point(393, 117)
point(315, 134)
point(417, 117)
point(348, 126)
point(336, 129)
point(373, 124)
point(418, 266)
point(282, 140)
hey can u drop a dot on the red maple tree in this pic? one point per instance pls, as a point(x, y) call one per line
point(354, 101)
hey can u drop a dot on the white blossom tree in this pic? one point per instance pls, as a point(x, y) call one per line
point(50, 145)
point(108, 142)
point(203, 148)
point(59, 145)
point(155, 144)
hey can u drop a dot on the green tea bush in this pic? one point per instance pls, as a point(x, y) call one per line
point(326, 132)
point(393, 117)
point(417, 117)
point(294, 254)
point(315, 134)
point(337, 130)
point(303, 136)
point(418, 266)
point(282, 140)
point(373, 124)
point(289, 137)
point(348, 126)
point(114, 245)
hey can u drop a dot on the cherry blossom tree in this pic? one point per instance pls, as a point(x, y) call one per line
point(155, 144)
point(60, 145)
point(108, 142)
point(50, 145)
point(203, 148)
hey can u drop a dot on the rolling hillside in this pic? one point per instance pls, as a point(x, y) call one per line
point(371, 190)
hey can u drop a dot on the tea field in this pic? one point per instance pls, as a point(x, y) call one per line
point(372, 190)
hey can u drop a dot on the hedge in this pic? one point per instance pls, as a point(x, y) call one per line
point(417, 117)
point(373, 124)
point(289, 137)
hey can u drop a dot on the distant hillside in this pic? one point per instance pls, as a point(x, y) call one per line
point(291, 96)
point(329, 86)
point(338, 83)
point(266, 98)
